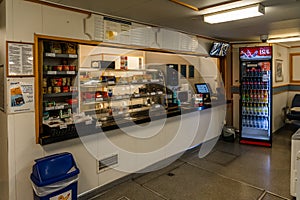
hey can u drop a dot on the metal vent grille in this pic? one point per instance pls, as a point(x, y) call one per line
point(107, 162)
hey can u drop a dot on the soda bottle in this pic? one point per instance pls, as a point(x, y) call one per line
point(251, 95)
point(254, 83)
point(259, 122)
point(266, 96)
point(243, 109)
point(259, 72)
point(247, 121)
point(260, 110)
point(246, 109)
point(258, 84)
point(265, 110)
point(255, 95)
point(266, 124)
point(248, 72)
point(256, 122)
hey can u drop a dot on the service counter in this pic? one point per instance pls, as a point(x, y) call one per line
point(94, 127)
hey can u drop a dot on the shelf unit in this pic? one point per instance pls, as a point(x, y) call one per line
point(58, 61)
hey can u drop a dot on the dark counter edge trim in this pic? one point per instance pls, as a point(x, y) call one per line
point(50, 140)
point(97, 191)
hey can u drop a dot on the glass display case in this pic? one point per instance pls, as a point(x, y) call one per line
point(118, 95)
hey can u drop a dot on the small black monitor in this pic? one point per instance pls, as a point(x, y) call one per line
point(202, 88)
point(219, 49)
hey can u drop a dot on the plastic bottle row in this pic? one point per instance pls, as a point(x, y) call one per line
point(254, 83)
point(259, 96)
point(255, 72)
point(257, 109)
point(255, 122)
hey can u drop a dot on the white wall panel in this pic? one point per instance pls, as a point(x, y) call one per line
point(9, 20)
point(11, 157)
point(25, 152)
point(279, 102)
point(3, 157)
point(27, 19)
point(63, 23)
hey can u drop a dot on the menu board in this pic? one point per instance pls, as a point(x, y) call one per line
point(116, 31)
point(20, 96)
point(19, 59)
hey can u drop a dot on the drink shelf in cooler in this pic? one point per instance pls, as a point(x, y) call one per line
point(251, 101)
point(256, 115)
point(255, 128)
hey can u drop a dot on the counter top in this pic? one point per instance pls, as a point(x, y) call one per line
point(82, 129)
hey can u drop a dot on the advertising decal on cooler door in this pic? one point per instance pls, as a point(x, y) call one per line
point(255, 53)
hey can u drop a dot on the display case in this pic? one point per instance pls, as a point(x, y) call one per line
point(58, 89)
point(114, 96)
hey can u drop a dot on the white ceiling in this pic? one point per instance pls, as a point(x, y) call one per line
point(281, 17)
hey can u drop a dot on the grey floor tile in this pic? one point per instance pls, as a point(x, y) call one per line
point(220, 157)
point(269, 196)
point(192, 183)
point(128, 191)
point(266, 168)
point(230, 171)
point(154, 174)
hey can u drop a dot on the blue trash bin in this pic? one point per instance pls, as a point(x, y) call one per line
point(55, 177)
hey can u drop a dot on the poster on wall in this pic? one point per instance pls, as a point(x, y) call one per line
point(19, 59)
point(20, 96)
point(2, 87)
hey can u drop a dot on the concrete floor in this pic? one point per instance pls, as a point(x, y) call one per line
point(231, 171)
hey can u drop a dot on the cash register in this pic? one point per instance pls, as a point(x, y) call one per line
point(204, 90)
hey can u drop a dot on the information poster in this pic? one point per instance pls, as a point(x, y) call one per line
point(2, 87)
point(20, 59)
point(20, 95)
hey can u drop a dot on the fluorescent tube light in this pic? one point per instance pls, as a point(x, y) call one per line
point(235, 14)
point(287, 39)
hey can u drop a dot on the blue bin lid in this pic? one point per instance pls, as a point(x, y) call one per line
point(53, 168)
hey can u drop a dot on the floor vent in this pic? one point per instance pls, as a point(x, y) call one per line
point(108, 162)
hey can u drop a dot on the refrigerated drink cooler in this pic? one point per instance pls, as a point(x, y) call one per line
point(256, 95)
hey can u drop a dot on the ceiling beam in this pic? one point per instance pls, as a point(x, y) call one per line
point(185, 5)
point(218, 4)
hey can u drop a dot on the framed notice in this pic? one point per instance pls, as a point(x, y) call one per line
point(278, 71)
point(20, 95)
point(19, 59)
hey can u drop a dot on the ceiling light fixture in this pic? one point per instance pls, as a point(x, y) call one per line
point(286, 39)
point(235, 14)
